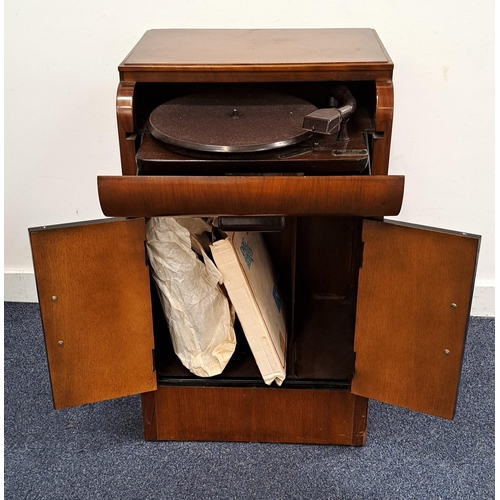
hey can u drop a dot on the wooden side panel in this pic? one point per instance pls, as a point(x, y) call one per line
point(150, 196)
point(414, 296)
point(150, 426)
point(126, 128)
point(383, 126)
point(93, 289)
point(256, 415)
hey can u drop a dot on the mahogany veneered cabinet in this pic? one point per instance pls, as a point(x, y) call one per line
point(375, 308)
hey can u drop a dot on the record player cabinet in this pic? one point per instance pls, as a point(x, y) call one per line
point(376, 309)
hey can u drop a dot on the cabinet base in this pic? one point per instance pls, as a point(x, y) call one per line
point(312, 416)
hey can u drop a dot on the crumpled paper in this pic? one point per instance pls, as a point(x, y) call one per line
point(198, 313)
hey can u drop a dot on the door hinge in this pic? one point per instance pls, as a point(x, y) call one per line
point(146, 258)
point(154, 360)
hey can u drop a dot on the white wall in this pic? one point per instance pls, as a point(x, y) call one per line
point(61, 79)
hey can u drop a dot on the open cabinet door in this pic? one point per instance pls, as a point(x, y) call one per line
point(414, 297)
point(94, 295)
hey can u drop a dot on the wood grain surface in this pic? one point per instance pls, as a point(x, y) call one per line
point(126, 126)
point(314, 416)
point(257, 55)
point(383, 127)
point(93, 289)
point(250, 195)
point(188, 47)
point(415, 290)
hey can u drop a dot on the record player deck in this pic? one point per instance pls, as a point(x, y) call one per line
point(237, 129)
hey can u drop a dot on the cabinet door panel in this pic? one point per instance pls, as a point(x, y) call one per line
point(414, 296)
point(94, 295)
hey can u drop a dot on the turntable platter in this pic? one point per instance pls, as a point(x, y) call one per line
point(231, 122)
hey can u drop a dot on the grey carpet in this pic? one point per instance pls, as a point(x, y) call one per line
point(97, 451)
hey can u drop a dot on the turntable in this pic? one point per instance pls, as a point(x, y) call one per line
point(243, 129)
point(282, 131)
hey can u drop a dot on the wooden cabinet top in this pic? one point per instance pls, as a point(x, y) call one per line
point(246, 51)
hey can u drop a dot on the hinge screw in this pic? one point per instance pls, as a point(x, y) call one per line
point(54, 298)
point(446, 351)
point(453, 305)
point(60, 343)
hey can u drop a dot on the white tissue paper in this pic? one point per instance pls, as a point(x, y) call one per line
point(198, 313)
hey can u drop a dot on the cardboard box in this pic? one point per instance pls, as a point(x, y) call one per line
point(245, 264)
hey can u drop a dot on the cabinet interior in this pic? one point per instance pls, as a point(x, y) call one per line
point(321, 155)
point(316, 260)
point(147, 95)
